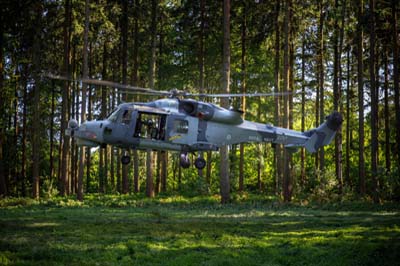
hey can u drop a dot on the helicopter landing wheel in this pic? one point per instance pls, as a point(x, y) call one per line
point(125, 159)
point(184, 160)
point(200, 163)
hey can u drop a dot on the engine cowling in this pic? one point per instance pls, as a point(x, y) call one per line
point(210, 112)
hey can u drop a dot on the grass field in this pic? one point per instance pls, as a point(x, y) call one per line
point(131, 230)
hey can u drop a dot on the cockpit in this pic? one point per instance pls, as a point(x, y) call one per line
point(121, 114)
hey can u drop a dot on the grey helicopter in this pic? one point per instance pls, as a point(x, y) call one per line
point(188, 126)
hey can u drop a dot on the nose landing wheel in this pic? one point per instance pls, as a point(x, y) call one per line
point(184, 160)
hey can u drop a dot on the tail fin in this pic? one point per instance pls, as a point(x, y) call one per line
point(324, 134)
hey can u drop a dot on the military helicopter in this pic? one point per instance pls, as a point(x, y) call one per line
point(188, 126)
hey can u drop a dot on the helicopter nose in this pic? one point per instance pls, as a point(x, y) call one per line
point(93, 130)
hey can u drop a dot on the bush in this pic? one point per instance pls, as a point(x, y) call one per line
point(49, 189)
point(16, 202)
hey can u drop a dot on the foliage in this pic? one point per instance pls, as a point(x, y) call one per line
point(253, 36)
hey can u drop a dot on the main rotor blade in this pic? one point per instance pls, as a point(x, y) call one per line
point(128, 88)
point(231, 95)
point(173, 93)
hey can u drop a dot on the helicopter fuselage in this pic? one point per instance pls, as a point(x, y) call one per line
point(189, 126)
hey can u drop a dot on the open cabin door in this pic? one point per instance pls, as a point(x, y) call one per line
point(150, 126)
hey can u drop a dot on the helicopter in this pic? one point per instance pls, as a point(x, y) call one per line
point(188, 126)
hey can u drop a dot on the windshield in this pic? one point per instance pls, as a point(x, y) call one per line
point(114, 115)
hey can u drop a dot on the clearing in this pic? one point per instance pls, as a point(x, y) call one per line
point(174, 230)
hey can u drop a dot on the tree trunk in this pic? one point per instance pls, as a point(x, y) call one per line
point(74, 158)
point(277, 147)
point(116, 186)
point(340, 134)
point(149, 156)
point(320, 65)
point(360, 78)
point(90, 117)
point(209, 168)
point(157, 187)
point(303, 114)
point(243, 85)
point(259, 151)
point(65, 101)
point(374, 106)
point(101, 170)
point(52, 116)
point(153, 29)
point(348, 111)
point(259, 168)
point(124, 34)
point(103, 114)
point(337, 95)
point(290, 99)
point(286, 87)
point(179, 175)
point(3, 187)
point(14, 147)
point(224, 151)
point(135, 83)
point(201, 66)
point(118, 169)
point(149, 174)
point(136, 186)
point(386, 112)
point(36, 103)
point(24, 135)
point(164, 169)
point(83, 106)
point(396, 74)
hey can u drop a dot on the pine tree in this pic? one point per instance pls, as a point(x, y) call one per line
point(224, 151)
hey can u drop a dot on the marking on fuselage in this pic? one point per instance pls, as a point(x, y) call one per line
point(281, 138)
point(254, 138)
point(172, 138)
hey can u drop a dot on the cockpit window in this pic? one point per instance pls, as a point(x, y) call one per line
point(114, 115)
point(126, 116)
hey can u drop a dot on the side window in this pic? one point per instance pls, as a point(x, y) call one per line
point(181, 126)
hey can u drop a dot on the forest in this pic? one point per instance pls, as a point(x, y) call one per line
point(330, 55)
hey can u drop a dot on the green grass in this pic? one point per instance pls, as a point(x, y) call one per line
point(132, 230)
